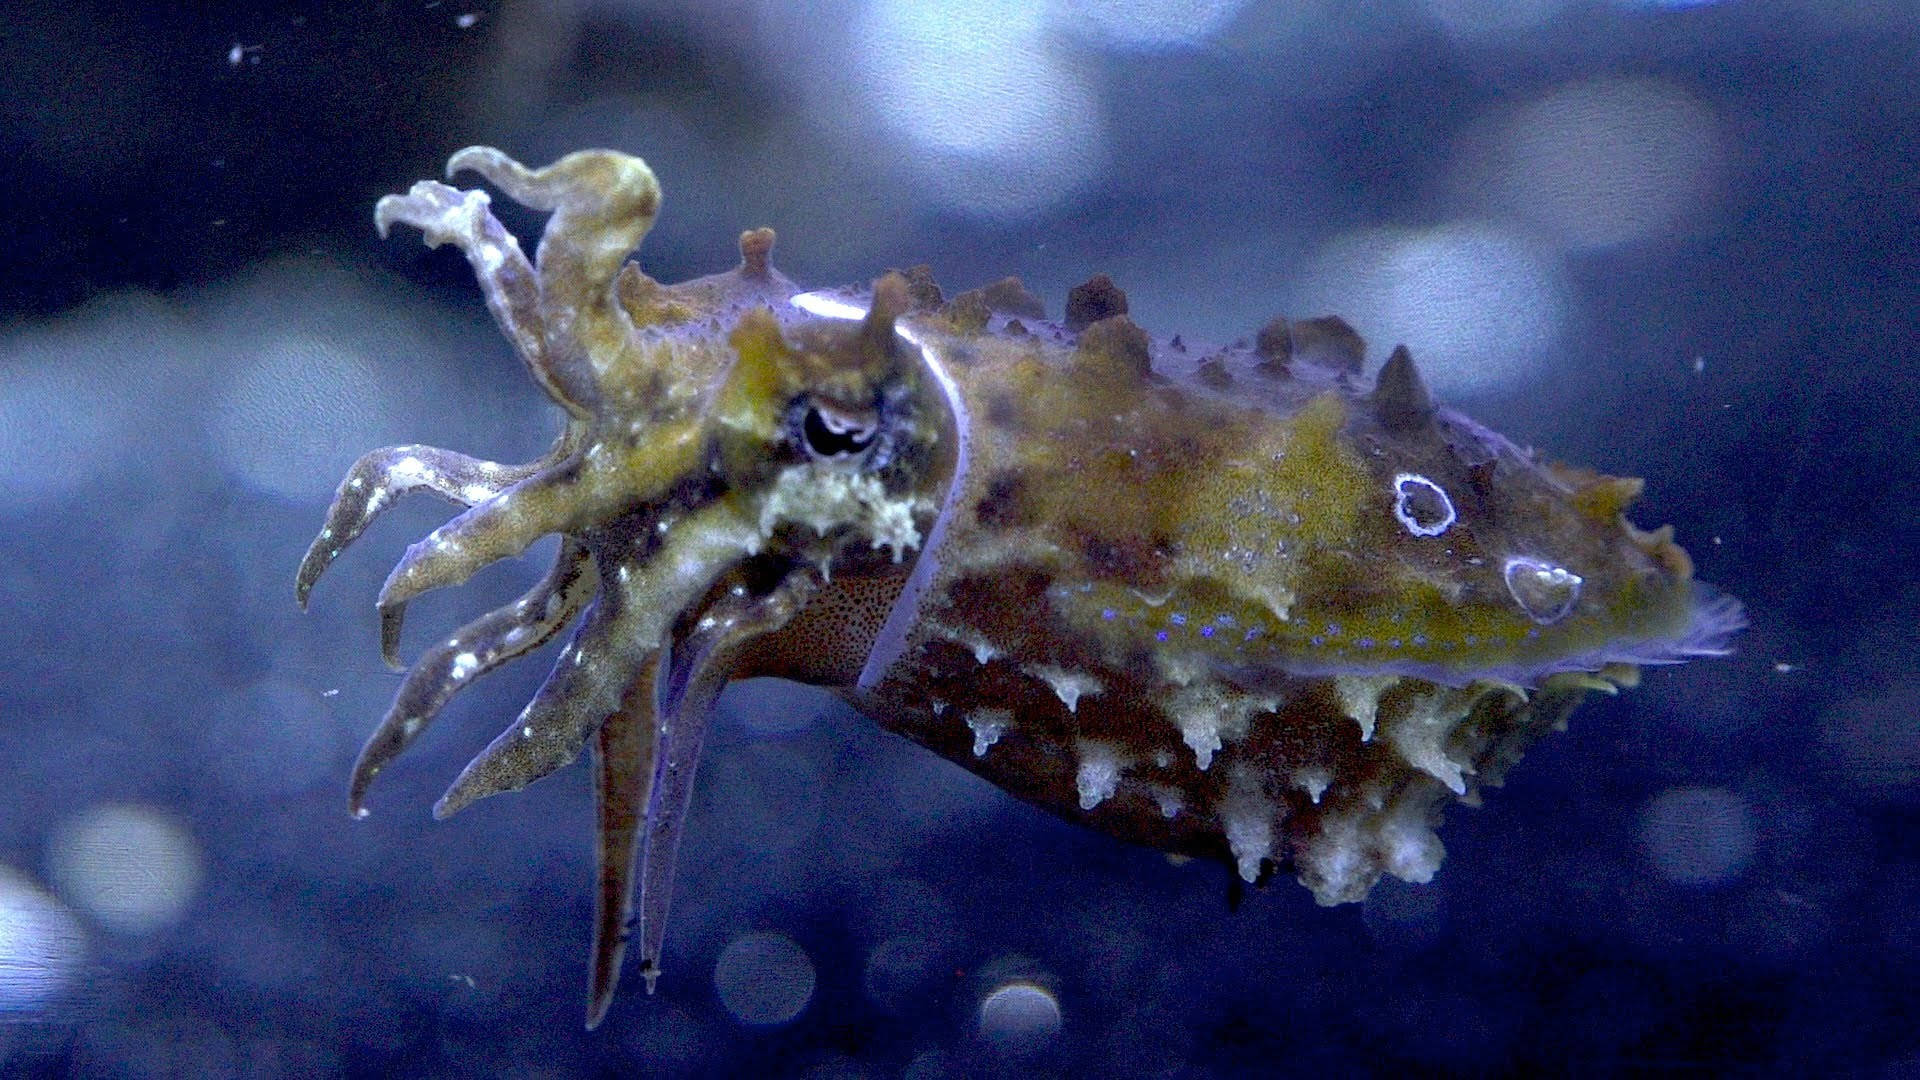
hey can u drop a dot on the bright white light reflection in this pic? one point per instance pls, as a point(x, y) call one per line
point(40, 945)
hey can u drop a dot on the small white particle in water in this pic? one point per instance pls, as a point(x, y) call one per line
point(467, 21)
point(1783, 668)
point(1699, 835)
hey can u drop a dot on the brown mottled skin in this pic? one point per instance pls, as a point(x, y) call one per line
point(1240, 603)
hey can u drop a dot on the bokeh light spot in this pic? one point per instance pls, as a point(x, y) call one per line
point(1019, 1018)
point(1698, 835)
point(1607, 162)
point(129, 867)
point(283, 421)
point(1479, 307)
point(993, 119)
point(1473, 20)
point(764, 978)
point(41, 944)
point(1145, 25)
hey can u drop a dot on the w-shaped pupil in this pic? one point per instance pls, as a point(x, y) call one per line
point(833, 434)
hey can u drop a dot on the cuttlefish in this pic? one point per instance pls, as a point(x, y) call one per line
point(1245, 603)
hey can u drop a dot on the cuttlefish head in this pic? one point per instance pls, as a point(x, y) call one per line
point(725, 454)
point(828, 430)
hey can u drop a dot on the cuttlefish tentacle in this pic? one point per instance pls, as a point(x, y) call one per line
point(501, 527)
point(376, 482)
point(616, 646)
point(697, 670)
point(582, 690)
point(447, 215)
point(622, 770)
point(475, 649)
point(603, 204)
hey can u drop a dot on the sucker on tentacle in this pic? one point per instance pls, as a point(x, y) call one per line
point(1240, 603)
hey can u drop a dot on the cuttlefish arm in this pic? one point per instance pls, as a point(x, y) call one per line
point(645, 758)
point(723, 449)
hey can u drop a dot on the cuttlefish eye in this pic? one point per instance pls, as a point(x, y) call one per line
point(831, 432)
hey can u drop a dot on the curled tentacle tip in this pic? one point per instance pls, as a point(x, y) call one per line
point(468, 158)
point(466, 791)
point(383, 214)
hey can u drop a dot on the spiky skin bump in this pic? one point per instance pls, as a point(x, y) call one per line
point(1238, 603)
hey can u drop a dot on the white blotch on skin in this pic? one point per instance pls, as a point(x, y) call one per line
point(1071, 686)
point(464, 665)
point(1249, 832)
point(1202, 734)
point(988, 725)
point(1360, 698)
point(1313, 780)
point(1099, 774)
point(1169, 800)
